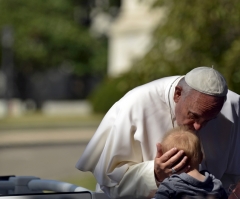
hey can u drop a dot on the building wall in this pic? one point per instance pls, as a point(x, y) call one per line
point(130, 34)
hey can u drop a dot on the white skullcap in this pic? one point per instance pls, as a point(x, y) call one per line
point(207, 80)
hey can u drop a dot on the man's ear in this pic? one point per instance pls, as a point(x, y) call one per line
point(177, 94)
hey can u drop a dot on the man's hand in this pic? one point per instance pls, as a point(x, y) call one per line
point(235, 193)
point(164, 163)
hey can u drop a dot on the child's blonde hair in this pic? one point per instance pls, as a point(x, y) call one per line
point(186, 140)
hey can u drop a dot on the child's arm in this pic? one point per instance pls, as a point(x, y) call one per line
point(165, 190)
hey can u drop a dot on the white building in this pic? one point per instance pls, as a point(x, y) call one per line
point(130, 34)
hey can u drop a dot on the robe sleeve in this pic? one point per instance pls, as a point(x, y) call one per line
point(121, 153)
point(137, 181)
point(121, 170)
point(115, 153)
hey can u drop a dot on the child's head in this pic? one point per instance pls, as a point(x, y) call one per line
point(184, 139)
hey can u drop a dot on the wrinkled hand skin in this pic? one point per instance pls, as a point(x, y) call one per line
point(236, 192)
point(163, 163)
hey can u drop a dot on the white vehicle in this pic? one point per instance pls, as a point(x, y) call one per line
point(30, 187)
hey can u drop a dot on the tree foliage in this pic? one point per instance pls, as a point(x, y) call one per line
point(196, 33)
point(192, 33)
point(48, 33)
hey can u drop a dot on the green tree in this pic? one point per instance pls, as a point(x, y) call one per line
point(191, 34)
point(196, 33)
point(47, 33)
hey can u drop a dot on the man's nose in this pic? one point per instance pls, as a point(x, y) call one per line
point(197, 126)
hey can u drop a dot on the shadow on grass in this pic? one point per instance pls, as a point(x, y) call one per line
point(86, 180)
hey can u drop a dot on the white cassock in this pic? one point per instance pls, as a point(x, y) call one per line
point(121, 153)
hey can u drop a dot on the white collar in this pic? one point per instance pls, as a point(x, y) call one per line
point(172, 104)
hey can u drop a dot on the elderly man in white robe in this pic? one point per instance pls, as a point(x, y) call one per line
point(125, 152)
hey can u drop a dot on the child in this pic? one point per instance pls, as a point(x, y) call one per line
point(193, 183)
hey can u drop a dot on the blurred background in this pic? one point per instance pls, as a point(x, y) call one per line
point(64, 63)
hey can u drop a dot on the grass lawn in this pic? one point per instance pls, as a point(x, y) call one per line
point(39, 120)
point(86, 180)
